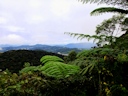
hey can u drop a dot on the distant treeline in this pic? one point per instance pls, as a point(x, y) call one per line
point(15, 59)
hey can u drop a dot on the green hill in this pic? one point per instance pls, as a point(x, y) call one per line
point(15, 59)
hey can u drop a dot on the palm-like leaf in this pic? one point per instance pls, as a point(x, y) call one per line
point(108, 9)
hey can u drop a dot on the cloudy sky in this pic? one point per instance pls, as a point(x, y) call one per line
point(45, 21)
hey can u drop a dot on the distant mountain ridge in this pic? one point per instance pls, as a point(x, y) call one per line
point(50, 48)
point(80, 45)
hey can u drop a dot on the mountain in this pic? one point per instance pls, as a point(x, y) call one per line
point(80, 45)
point(50, 48)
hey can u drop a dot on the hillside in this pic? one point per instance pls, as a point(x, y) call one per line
point(15, 59)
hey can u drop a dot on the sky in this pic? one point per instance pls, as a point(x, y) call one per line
point(45, 21)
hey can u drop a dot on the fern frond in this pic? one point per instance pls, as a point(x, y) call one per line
point(108, 9)
point(75, 35)
point(28, 69)
point(48, 58)
point(80, 36)
point(59, 70)
point(89, 68)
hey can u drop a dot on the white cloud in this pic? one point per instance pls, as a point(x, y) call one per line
point(3, 20)
point(35, 3)
point(12, 39)
point(34, 19)
point(60, 7)
point(12, 28)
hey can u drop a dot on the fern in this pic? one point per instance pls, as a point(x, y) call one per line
point(59, 70)
point(53, 67)
point(83, 53)
point(89, 68)
point(29, 69)
point(83, 36)
point(48, 58)
point(100, 39)
point(108, 9)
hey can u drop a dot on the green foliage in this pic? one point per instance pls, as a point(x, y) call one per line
point(118, 90)
point(111, 26)
point(52, 79)
point(30, 69)
point(14, 60)
point(101, 70)
point(102, 66)
point(71, 57)
point(39, 85)
point(122, 45)
point(122, 57)
point(59, 70)
point(54, 67)
point(48, 58)
point(100, 52)
point(27, 64)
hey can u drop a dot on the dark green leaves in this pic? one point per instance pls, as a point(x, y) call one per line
point(108, 9)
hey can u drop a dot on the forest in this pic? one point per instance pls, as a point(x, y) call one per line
point(100, 71)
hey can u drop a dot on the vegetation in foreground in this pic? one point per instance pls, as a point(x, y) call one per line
point(95, 72)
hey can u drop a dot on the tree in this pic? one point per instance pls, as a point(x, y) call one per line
point(112, 28)
point(71, 56)
point(108, 31)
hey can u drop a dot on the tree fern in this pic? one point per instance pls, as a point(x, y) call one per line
point(48, 58)
point(59, 69)
point(53, 67)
